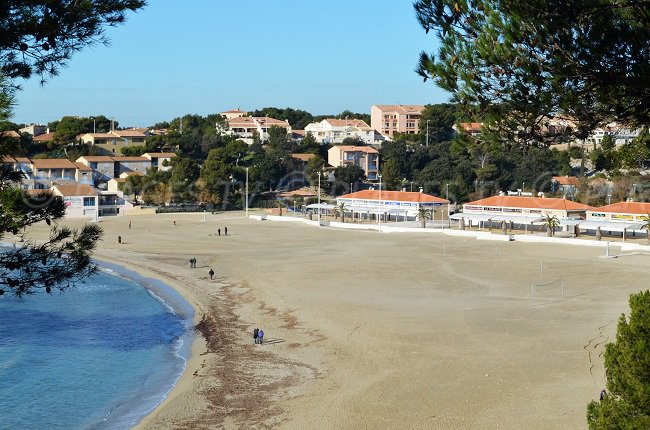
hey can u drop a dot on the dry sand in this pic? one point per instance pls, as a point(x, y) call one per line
point(374, 330)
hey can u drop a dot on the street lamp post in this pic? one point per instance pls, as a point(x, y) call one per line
point(319, 175)
point(247, 193)
point(447, 192)
point(411, 186)
point(379, 201)
point(609, 199)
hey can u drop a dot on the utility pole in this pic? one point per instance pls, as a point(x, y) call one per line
point(181, 129)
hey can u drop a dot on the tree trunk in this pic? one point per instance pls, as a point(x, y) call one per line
point(599, 234)
point(462, 223)
point(505, 227)
point(549, 230)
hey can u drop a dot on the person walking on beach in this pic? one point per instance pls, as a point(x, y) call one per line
point(119, 239)
point(129, 225)
point(174, 223)
point(225, 231)
point(256, 334)
point(192, 263)
point(219, 231)
point(211, 273)
point(260, 336)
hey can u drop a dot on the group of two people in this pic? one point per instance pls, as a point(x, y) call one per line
point(258, 335)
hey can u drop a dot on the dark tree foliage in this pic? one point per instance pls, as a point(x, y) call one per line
point(627, 366)
point(55, 264)
point(39, 36)
point(516, 65)
point(438, 120)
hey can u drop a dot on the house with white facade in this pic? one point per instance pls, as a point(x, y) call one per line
point(333, 131)
point(245, 127)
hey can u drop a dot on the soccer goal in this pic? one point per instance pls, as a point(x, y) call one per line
point(546, 292)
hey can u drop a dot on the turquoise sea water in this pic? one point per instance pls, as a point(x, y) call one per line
point(100, 356)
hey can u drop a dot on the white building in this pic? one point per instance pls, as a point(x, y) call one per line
point(394, 203)
point(334, 131)
point(245, 127)
point(82, 201)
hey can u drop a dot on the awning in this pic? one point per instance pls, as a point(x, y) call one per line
point(320, 206)
point(610, 225)
point(517, 219)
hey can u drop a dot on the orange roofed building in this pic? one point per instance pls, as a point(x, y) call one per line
point(621, 212)
point(398, 203)
point(526, 206)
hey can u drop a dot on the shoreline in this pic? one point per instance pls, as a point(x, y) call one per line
point(198, 347)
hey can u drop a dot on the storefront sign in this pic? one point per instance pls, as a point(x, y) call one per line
point(511, 210)
point(622, 217)
point(491, 209)
point(597, 215)
point(467, 208)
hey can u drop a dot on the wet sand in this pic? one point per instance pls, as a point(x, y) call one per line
point(368, 330)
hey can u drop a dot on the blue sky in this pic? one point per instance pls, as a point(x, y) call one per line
point(206, 56)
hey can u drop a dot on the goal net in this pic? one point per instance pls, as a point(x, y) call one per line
point(546, 292)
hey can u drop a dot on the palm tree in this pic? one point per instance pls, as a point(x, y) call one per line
point(646, 225)
point(423, 215)
point(551, 223)
point(342, 208)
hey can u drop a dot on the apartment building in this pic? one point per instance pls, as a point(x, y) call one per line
point(41, 174)
point(391, 119)
point(111, 143)
point(233, 113)
point(365, 157)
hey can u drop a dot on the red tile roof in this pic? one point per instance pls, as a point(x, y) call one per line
point(159, 154)
point(53, 163)
point(471, 127)
point(303, 157)
point(531, 203)
point(43, 137)
point(401, 108)
point(75, 190)
point(350, 148)
point(394, 196)
point(567, 180)
point(636, 208)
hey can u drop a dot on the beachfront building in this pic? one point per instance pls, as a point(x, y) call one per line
point(626, 218)
point(520, 212)
point(333, 131)
point(245, 127)
point(396, 204)
point(391, 119)
point(365, 157)
point(111, 143)
point(83, 201)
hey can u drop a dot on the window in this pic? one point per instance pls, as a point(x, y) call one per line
point(138, 139)
point(89, 201)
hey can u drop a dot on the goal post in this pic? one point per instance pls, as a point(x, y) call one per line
point(546, 291)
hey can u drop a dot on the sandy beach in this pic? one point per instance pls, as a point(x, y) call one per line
point(374, 330)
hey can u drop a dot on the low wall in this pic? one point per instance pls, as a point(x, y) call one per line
point(139, 210)
point(479, 235)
